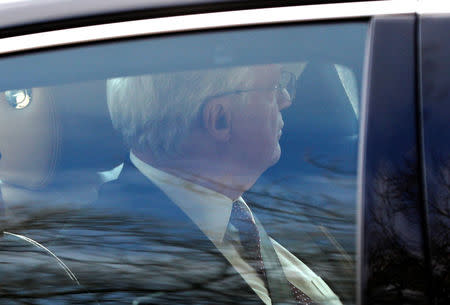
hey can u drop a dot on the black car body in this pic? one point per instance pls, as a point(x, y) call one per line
point(361, 191)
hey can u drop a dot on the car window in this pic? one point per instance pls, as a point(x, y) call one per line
point(216, 167)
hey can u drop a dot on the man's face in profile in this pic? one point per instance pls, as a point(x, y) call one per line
point(230, 140)
point(258, 122)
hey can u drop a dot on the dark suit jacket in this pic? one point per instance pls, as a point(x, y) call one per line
point(162, 255)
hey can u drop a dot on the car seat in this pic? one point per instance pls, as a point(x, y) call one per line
point(52, 151)
point(57, 144)
point(321, 126)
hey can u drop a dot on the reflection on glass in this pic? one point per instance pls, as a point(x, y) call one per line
point(435, 102)
point(396, 236)
point(438, 183)
point(18, 99)
point(236, 186)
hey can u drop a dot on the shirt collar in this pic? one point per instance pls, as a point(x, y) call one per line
point(208, 209)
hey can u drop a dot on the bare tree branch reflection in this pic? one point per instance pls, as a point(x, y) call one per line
point(397, 270)
point(123, 258)
point(438, 184)
point(119, 258)
point(316, 222)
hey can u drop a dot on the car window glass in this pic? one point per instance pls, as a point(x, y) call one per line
point(212, 167)
point(350, 85)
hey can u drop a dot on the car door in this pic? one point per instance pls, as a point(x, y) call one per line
point(394, 266)
point(345, 199)
point(434, 99)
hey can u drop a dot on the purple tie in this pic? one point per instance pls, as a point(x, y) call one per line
point(250, 249)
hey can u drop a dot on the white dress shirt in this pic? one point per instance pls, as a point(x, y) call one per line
point(211, 211)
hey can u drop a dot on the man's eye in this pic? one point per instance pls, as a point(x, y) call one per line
point(18, 99)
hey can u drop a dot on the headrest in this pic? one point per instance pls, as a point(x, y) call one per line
point(322, 106)
point(63, 129)
point(321, 120)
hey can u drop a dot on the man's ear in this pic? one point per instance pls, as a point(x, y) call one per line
point(217, 119)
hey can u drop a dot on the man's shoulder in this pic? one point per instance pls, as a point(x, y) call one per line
point(129, 180)
point(132, 193)
point(177, 254)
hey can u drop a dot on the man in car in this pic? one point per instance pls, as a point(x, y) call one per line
point(198, 140)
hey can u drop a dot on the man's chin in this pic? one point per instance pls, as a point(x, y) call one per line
point(276, 155)
point(267, 161)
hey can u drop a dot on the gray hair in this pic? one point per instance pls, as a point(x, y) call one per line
point(157, 111)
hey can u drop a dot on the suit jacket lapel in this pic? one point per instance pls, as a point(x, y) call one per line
point(278, 284)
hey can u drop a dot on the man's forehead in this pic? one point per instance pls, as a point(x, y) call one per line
point(273, 71)
point(267, 70)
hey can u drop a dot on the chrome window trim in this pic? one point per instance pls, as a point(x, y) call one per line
point(204, 21)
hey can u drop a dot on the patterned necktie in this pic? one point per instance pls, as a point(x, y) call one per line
point(250, 241)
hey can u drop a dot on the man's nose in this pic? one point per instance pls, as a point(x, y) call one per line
point(284, 99)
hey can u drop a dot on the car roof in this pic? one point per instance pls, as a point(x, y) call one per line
point(23, 13)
